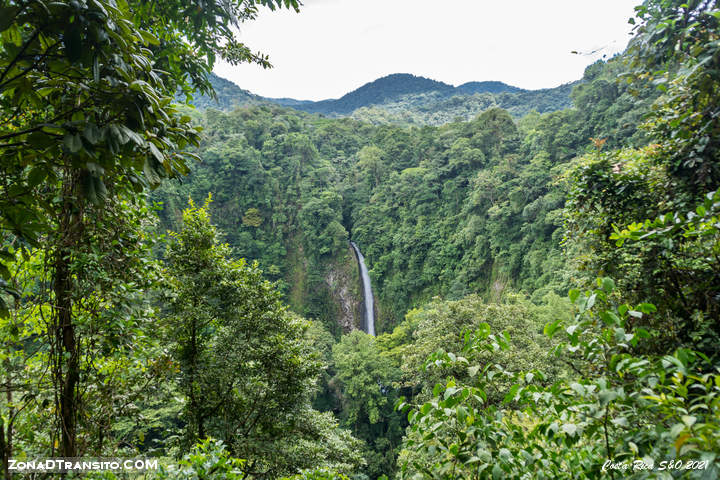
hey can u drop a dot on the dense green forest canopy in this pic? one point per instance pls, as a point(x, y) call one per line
point(178, 283)
point(467, 207)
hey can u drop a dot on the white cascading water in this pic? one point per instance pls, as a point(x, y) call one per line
point(367, 289)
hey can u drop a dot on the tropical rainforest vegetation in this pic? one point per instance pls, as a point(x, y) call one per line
point(176, 278)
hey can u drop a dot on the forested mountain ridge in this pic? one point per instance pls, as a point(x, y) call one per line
point(390, 87)
point(227, 95)
point(407, 99)
point(487, 87)
point(439, 108)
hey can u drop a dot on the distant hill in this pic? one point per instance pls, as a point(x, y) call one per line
point(436, 108)
point(229, 96)
point(487, 87)
point(396, 88)
point(288, 102)
point(406, 98)
point(379, 91)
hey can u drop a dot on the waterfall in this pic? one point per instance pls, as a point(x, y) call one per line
point(367, 289)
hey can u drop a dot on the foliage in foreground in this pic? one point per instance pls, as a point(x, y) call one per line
point(210, 460)
point(620, 408)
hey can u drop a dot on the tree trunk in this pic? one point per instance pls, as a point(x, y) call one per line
point(5, 449)
point(194, 403)
point(67, 368)
point(70, 374)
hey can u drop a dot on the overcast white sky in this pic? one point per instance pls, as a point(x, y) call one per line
point(334, 46)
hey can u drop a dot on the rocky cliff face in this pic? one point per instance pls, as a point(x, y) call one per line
point(344, 286)
point(329, 291)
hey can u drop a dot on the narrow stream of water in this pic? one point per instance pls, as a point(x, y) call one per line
point(367, 290)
